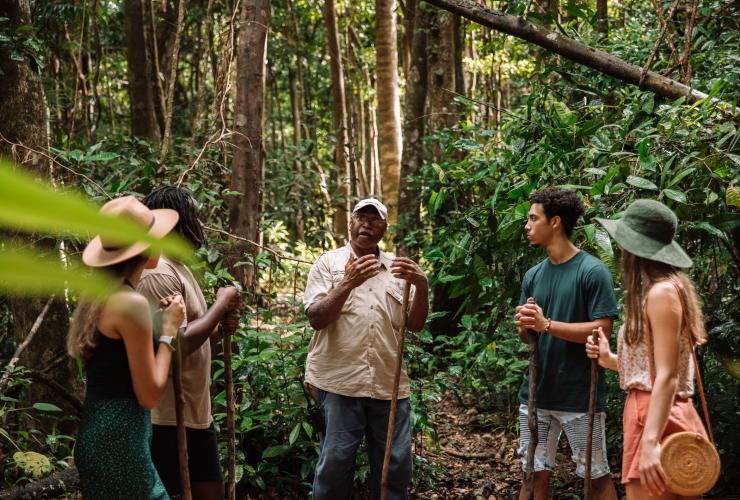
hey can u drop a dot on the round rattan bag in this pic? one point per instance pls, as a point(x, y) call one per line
point(691, 463)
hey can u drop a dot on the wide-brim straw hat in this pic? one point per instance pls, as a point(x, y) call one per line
point(101, 252)
point(647, 229)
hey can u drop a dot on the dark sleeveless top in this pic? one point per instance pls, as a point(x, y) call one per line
point(108, 373)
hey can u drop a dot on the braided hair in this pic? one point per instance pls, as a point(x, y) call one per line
point(183, 201)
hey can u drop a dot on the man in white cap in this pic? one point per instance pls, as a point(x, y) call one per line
point(353, 300)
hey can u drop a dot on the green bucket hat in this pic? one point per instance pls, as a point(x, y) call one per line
point(646, 229)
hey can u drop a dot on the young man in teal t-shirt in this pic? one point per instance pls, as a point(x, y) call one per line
point(574, 294)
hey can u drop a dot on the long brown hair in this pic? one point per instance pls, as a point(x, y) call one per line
point(81, 340)
point(638, 276)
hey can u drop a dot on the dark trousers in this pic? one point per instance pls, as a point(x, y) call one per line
point(348, 420)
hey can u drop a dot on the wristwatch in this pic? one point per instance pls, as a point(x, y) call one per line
point(169, 341)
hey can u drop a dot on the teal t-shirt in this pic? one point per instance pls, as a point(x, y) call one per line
point(577, 291)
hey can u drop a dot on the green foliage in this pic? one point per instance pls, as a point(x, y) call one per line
point(27, 205)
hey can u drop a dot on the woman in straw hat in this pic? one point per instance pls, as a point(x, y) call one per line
point(653, 357)
point(126, 373)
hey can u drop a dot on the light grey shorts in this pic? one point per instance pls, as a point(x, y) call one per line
point(550, 424)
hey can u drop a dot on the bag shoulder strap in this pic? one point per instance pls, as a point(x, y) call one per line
point(697, 371)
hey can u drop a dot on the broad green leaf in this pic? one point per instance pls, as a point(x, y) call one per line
point(566, 116)
point(598, 172)
point(275, 451)
point(46, 407)
point(732, 196)
point(24, 272)
point(308, 429)
point(294, 434)
point(31, 206)
point(675, 180)
point(641, 182)
point(706, 226)
point(675, 195)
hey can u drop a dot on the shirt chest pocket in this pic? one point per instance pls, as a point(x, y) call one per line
point(394, 304)
point(336, 278)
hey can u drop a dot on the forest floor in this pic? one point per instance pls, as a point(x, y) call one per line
point(475, 457)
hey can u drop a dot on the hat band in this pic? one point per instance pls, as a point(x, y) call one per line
point(113, 248)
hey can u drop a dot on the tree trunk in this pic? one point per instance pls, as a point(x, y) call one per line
point(413, 132)
point(389, 106)
point(602, 15)
point(295, 108)
point(296, 105)
point(171, 82)
point(141, 93)
point(25, 121)
point(569, 48)
point(441, 49)
point(248, 151)
point(339, 114)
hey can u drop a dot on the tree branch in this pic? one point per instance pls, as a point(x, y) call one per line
point(571, 49)
point(656, 44)
point(17, 355)
point(686, 78)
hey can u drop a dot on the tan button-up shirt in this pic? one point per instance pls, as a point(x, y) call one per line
point(356, 354)
point(173, 277)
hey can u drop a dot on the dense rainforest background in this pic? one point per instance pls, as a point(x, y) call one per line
point(279, 115)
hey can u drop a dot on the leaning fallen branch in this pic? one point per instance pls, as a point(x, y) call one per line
point(574, 50)
point(17, 355)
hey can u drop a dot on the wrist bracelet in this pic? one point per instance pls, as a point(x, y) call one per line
point(547, 326)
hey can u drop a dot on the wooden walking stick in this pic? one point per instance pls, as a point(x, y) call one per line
point(394, 396)
point(182, 439)
point(230, 410)
point(591, 410)
point(534, 359)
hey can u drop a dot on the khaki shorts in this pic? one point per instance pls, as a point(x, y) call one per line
point(550, 425)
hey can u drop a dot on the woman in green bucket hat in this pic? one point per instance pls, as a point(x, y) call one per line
point(653, 357)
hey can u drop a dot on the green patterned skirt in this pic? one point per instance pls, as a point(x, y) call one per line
point(113, 452)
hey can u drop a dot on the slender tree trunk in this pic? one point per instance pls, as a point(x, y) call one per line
point(141, 94)
point(441, 50)
point(296, 105)
point(171, 82)
point(569, 48)
point(202, 86)
point(339, 114)
point(25, 121)
point(389, 106)
point(409, 28)
point(413, 132)
point(248, 151)
point(602, 14)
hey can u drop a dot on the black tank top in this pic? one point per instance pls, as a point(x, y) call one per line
point(108, 372)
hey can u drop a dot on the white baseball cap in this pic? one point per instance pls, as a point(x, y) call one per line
point(372, 202)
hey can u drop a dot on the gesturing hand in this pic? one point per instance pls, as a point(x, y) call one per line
point(407, 269)
point(358, 271)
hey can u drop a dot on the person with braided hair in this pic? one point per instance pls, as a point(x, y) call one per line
point(202, 326)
